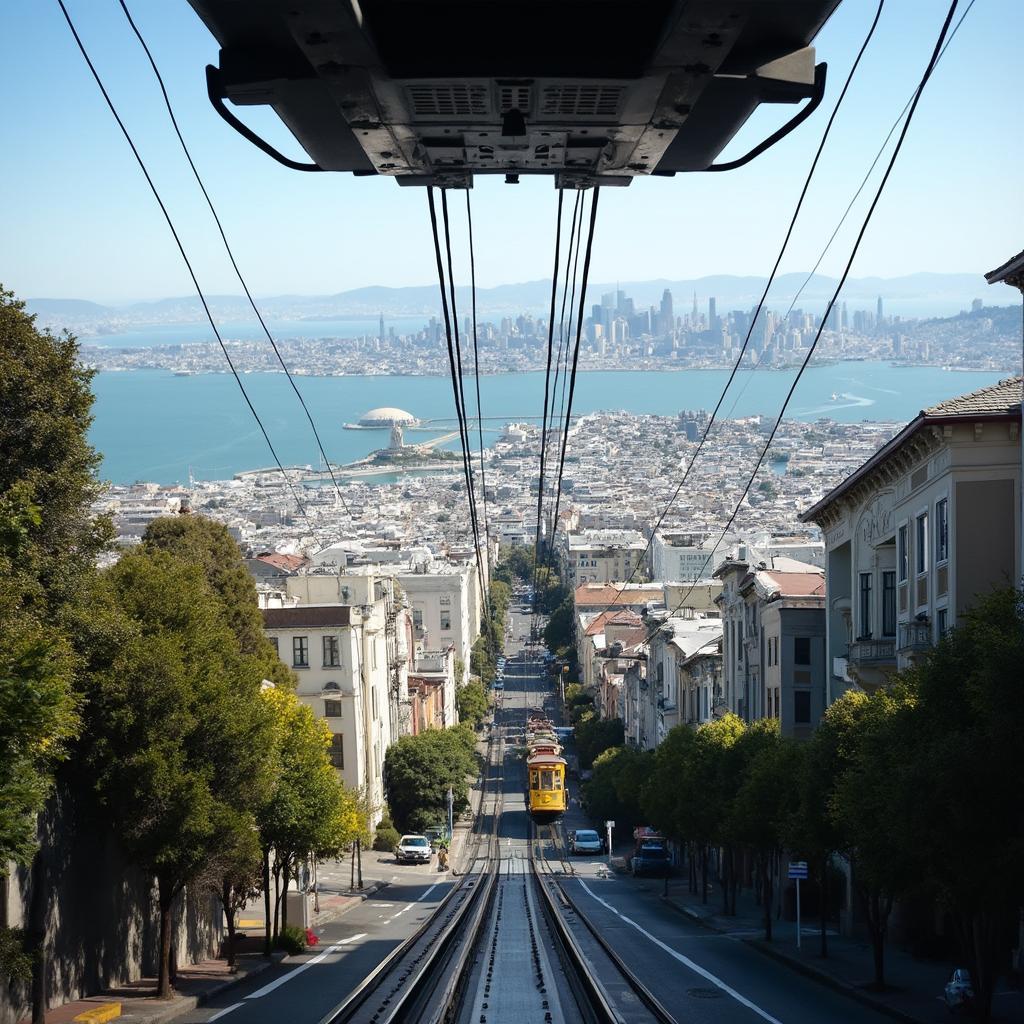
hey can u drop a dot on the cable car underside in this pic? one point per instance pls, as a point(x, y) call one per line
point(594, 92)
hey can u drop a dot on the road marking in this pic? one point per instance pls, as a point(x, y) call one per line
point(224, 1012)
point(695, 967)
point(277, 982)
point(427, 893)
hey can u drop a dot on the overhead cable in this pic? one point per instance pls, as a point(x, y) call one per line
point(476, 373)
point(184, 256)
point(231, 255)
point(930, 67)
point(757, 311)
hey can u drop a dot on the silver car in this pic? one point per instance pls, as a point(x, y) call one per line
point(413, 850)
point(586, 841)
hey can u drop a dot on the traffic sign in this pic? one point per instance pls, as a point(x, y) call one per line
point(609, 824)
point(798, 869)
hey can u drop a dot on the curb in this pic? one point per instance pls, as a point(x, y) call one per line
point(186, 1004)
point(830, 981)
point(800, 967)
point(355, 898)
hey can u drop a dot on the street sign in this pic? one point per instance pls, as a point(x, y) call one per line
point(609, 824)
point(798, 869)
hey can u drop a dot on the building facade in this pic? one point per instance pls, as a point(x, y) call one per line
point(916, 535)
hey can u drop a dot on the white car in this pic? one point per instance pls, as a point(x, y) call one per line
point(586, 841)
point(413, 850)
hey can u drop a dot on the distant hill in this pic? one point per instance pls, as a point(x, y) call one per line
point(911, 296)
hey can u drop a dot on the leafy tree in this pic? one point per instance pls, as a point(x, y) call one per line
point(175, 735)
point(472, 703)
point(515, 563)
point(595, 735)
point(614, 790)
point(960, 780)
point(873, 807)
point(308, 811)
point(765, 801)
point(209, 545)
point(49, 541)
point(558, 633)
point(418, 771)
point(482, 661)
point(660, 794)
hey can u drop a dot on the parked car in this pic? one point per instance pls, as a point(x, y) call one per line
point(435, 834)
point(959, 993)
point(413, 849)
point(651, 858)
point(586, 841)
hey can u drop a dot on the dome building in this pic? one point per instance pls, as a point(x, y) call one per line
point(387, 417)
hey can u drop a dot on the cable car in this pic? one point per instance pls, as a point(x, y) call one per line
point(431, 92)
point(546, 793)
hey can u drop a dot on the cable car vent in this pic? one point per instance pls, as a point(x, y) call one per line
point(514, 97)
point(455, 100)
point(581, 100)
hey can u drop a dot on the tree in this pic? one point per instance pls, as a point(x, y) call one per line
point(614, 790)
point(595, 735)
point(207, 544)
point(309, 812)
point(558, 633)
point(873, 807)
point(176, 737)
point(765, 800)
point(472, 703)
point(418, 771)
point(49, 541)
point(960, 784)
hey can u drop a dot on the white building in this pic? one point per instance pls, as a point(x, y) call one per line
point(601, 556)
point(685, 555)
point(344, 641)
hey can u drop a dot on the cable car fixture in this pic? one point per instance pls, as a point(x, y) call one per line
point(593, 92)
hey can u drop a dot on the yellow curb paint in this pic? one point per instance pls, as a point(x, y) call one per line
point(99, 1014)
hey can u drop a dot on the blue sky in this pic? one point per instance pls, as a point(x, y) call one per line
point(80, 222)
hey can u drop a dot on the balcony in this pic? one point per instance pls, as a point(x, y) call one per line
point(872, 652)
point(915, 637)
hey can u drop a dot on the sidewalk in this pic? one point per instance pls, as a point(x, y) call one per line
point(195, 985)
point(915, 985)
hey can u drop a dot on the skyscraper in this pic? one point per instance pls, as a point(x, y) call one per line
point(879, 316)
point(667, 319)
point(381, 334)
point(712, 314)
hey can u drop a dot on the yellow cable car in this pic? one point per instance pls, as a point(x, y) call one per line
point(545, 772)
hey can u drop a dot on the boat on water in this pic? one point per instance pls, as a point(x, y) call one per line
point(836, 396)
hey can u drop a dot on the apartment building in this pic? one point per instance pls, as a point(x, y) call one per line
point(343, 637)
point(686, 556)
point(600, 556)
point(922, 529)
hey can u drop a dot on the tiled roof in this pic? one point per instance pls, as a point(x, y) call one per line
point(306, 616)
point(595, 594)
point(996, 400)
point(796, 584)
point(280, 561)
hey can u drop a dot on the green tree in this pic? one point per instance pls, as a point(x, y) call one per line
point(209, 545)
point(418, 771)
point(613, 792)
point(176, 738)
point(558, 633)
point(49, 541)
point(472, 703)
point(309, 812)
point(765, 801)
point(595, 735)
point(966, 810)
point(873, 807)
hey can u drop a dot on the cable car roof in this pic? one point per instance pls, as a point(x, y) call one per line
point(590, 91)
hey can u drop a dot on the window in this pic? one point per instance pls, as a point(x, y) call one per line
point(941, 622)
point(802, 707)
point(446, 620)
point(373, 653)
point(446, 602)
point(332, 658)
point(902, 554)
point(889, 603)
point(273, 642)
point(739, 648)
point(338, 750)
point(373, 701)
point(865, 604)
point(332, 709)
point(802, 650)
point(417, 618)
point(300, 652)
point(942, 530)
point(921, 559)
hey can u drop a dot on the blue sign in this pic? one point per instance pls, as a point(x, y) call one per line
point(798, 869)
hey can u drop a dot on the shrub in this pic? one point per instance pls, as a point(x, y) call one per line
point(292, 940)
point(386, 839)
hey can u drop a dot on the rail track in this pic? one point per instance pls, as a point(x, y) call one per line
point(507, 942)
